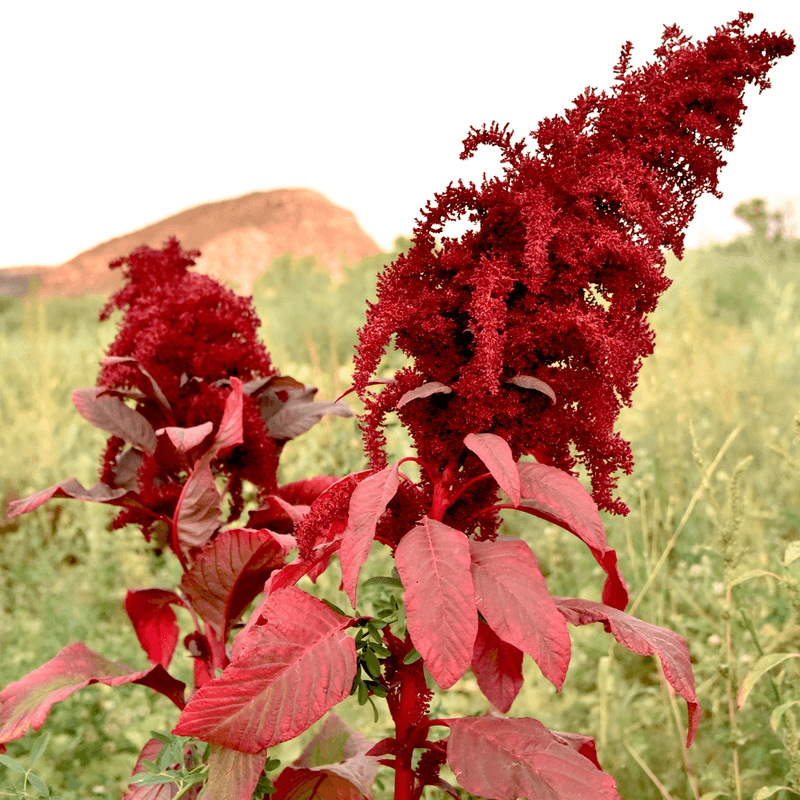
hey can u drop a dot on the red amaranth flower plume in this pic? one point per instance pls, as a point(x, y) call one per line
point(563, 265)
point(189, 335)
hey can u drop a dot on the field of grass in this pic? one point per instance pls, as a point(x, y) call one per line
point(714, 498)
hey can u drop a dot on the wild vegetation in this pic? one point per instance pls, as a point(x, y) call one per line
point(726, 362)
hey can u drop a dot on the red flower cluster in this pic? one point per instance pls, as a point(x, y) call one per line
point(187, 335)
point(564, 262)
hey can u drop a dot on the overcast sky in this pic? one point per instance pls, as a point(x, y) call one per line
point(118, 114)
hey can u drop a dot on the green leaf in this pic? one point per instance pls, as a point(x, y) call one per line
point(383, 580)
point(152, 780)
point(763, 665)
point(792, 553)
point(372, 664)
point(375, 714)
point(39, 747)
point(363, 693)
point(714, 795)
point(777, 714)
point(750, 573)
point(767, 791)
point(412, 656)
point(12, 764)
point(38, 784)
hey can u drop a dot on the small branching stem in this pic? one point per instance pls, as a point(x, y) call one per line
point(732, 696)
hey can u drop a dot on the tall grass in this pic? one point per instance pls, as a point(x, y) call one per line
point(714, 497)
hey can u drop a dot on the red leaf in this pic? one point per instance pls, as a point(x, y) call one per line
point(434, 566)
point(290, 667)
point(155, 390)
point(512, 596)
point(230, 572)
point(126, 470)
point(293, 512)
point(529, 382)
point(27, 702)
point(585, 745)
point(367, 504)
point(232, 775)
point(154, 622)
point(495, 452)
point(159, 791)
point(291, 503)
point(334, 764)
point(291, 573)
point(426, 390)
point(198, 510)
point(109, 413)
point(554, 495)
point(498, 668)
point(288, 407)
point(184, 439)
point(646, 640)
point(231, 429)
point(305, 492)
point(73, 489)
point(504, 759)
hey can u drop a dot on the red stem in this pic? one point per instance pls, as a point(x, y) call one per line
point(441, 491)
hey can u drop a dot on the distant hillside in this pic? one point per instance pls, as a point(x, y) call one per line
point(238, 239)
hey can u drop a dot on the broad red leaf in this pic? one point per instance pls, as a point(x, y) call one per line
point(153, 390)
point(73, 489)
point(512, 596)
point(294, 512)
point(497, 667)
point(291, 573)
point(495, 452)
point(232, 775)
point(434, 565)
point(367, 504)
point(554, 495)
point(154, 622)
point(646, 640)
point(334, 764)
point(27, 702)
point(426, 390)
point(305, 492)
point(292, 502)
point(109, 413)
point(288, 407)
point(198, 511)
point(529, 382)
point(184, 439)
point(505, 759)
point(293, 665)
point(231, 428)
point(231, 571)
point(162, 791)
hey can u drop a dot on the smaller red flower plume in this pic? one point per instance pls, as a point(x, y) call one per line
point(550, 291)
point(190, 335)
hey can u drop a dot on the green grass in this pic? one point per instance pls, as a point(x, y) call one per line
point(724, 378)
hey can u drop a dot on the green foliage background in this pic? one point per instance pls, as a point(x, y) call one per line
point(726, 365)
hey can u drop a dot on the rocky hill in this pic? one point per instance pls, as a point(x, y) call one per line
point(237, 237)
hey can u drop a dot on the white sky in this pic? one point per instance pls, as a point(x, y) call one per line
point(118, 114)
